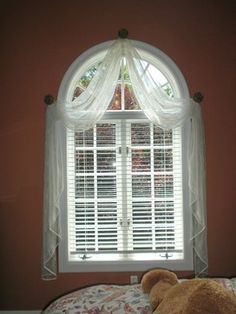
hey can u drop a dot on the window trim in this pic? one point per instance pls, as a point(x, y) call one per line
point(178, 83)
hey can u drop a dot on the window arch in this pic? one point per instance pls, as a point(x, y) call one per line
point(125, 206)
point(149, 53)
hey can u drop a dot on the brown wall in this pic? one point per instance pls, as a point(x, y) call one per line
point(40, 39)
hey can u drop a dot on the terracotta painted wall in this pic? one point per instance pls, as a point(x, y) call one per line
point(40, 39)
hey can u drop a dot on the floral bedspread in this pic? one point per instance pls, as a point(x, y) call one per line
point(111, 299)
point(105, 299)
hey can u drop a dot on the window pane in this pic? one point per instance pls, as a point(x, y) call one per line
point(84, 161)
point(165, 238)
point(130, 100)
point(84, 213)
point(106, 186)
point(106, 161)
point(163, 160)
point(141, 160)
point(107, 213)
point(164, 212)
point(84, 81)
point(84, 139)
point(78, 91)
point(142, 238)
point(107, 239)
point(142, 212)
point(162, 137)
point(116, 100)
point(85, 239)
point(84, 187)
point(163, 185)
point(106, 134)
point(88, 75)
point(140, 134)
point(141, 186)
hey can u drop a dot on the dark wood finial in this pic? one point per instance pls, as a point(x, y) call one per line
point(49, 99)
point(123, 33)
point(198, 97)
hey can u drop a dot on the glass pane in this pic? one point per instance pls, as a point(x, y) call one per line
point(116, 100)
point(107, 239)
point(107, 213)
point(141, 213)
point(78, 91)
point(84, 81)
point(141, 160)
point(106, 134)
point(106, 187)
point(140, 134)
point(84, 161)
point(84, 139)
point(165, 238)
point(163, 185)
point(106, 161)
point(85, 239)
point(84, 213)
point(167, 88)
point(141, 186)
point(130, 100)
point(157, 75)
point(163, 160)
point(162, 137)
point(87, 77)
point(84, 187)
point(142, 238)
point(164, 212)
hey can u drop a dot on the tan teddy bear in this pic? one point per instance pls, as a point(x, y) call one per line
point(195, 296)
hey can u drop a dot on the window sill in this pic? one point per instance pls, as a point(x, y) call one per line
point(123, 266)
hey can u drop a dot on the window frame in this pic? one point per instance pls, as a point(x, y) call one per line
point(179, 86)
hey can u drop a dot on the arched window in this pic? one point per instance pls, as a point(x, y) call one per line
point(125, 202)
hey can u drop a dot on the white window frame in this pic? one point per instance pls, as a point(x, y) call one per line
point(180, 89)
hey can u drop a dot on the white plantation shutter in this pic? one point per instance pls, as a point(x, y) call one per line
point(125, 199)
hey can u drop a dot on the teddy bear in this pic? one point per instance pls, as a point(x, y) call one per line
point(168, 295)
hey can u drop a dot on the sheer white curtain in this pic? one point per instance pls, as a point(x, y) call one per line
point(84, 111)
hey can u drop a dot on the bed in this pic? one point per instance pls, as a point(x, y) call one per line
point(109, 298)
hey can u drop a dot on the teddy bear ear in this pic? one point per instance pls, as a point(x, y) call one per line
point(152, 277)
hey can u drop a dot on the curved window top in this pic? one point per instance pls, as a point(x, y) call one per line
point(163, 70)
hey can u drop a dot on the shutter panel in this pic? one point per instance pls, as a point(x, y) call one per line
point(156, 189)
point(92, 178)
point(124, 191)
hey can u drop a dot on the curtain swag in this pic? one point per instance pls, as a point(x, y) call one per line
point(86, 110)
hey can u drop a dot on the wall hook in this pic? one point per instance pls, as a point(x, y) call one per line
point(49, 99)
point(123, 33)
point(198, 97)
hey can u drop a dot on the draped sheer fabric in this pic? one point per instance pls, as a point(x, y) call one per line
point(53, 187)
point(88, 108)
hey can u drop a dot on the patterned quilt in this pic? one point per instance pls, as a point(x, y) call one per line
point(111, 299)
